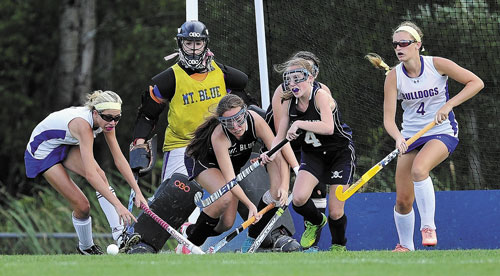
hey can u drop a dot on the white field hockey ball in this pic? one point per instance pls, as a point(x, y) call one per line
point(112, 249)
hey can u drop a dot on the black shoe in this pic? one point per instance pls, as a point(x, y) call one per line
point(93, 250)
point(127, 240)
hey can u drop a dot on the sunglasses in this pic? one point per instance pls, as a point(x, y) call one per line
point(109, 118)
point(402, 43)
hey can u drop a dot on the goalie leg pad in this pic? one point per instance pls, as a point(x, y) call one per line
point(173, 203)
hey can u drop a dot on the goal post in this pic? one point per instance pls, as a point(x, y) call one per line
point(192, 14)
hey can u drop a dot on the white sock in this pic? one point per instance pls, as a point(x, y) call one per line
point(110, 212)
point(84, 232)
point(426, 202)
point(405, 225)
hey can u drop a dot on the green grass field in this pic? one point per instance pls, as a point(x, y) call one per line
point(432, 262)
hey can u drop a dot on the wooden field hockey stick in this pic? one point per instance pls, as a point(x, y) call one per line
point(258, 241)
point(202, 203)
point(216, 247)
point(344, 195)
point(178, 236)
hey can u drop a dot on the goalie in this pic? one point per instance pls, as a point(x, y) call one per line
point(190, 87)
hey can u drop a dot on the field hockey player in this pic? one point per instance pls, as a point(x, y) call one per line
point(327, 151)
point(231, 134)
point(421, 83)
point(64, 141)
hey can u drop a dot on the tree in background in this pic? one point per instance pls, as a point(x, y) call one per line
point(77, 28)
point(53, 51)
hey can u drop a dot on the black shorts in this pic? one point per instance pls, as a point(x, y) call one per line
point(195, 167)
point(330, 167)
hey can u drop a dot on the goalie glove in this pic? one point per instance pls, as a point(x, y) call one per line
point(142, 157)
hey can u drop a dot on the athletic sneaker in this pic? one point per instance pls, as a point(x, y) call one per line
point(126, 240)
point(400, 248)
point(312, 249)
point(180, 248)
point(429, 237)
point(311, 232)
point(247, 244)
point(338, 248)
point(93, 250)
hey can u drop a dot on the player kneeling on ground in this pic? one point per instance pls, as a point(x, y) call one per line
point(230, 135)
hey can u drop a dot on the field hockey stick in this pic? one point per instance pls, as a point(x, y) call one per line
point(258, 241)
point(178, 236)
point(131, 199)
point(344, 195)
point(216, 247)
point(226, 188)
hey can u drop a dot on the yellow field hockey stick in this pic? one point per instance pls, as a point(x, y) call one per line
point(344, 195)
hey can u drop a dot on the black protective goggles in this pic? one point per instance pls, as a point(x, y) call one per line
point(402, 43)
point(109, 118)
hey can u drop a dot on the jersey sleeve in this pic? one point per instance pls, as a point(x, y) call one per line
point(163, 85)
point(236, 82)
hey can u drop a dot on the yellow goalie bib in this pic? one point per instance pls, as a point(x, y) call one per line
point(192, 102)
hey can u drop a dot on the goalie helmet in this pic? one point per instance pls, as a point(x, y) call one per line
point(197, 59)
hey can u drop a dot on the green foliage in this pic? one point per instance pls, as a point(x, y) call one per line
point(140, 34)
point(46, 211)
point(28, 51)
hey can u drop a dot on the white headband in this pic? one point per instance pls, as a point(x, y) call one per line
point(108, 105)
point(410, 30)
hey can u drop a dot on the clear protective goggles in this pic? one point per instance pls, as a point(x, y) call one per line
point(236, 120)
point(296, 75)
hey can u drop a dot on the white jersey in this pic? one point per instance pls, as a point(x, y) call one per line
point(53, 131)
point(422, 97)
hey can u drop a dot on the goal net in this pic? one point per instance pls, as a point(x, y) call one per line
point(341, 33)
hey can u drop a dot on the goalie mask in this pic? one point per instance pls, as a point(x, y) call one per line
point(192, 40)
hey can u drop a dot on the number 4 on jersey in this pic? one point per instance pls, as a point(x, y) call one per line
point(310, 138)
point(421, 109)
